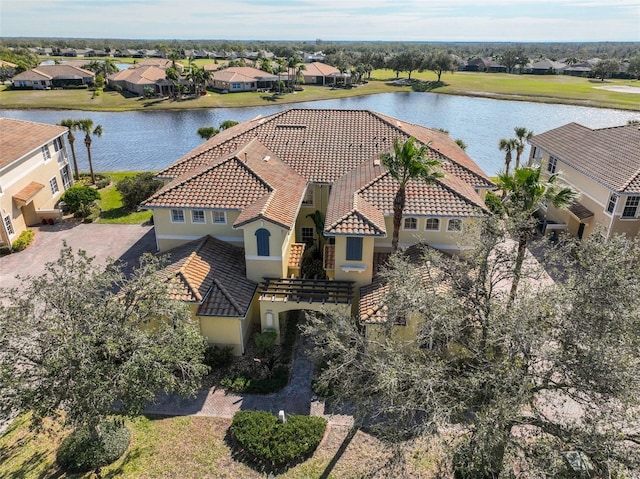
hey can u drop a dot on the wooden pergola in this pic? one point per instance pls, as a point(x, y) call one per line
point(296, 290)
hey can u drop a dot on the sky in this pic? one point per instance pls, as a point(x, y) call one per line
point(333, 20)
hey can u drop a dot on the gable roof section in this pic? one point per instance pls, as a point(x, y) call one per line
point(319, 69)
point(610, 156)
point(54, 71)
point(19, 137)
point(142, 75)
point(211, 272)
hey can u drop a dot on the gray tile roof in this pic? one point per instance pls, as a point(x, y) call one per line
point(610, 156)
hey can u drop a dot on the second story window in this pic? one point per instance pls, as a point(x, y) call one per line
point(552, 165)
point(45, 153)
point(432, 224)
point(177, 216)
point(354, 249)
point(411, 224)
point(611, 206)
point(57, 144)
point(631, 207)
point(53, 183)
point(262, 240)
point(455, 224)
point(218, 217)
point(308, 197)
point(307, 235)
point(197, 216)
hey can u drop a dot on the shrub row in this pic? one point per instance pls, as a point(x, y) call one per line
point(24, 240)
point(271, 444)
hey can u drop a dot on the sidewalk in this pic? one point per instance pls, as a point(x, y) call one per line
point(295, 398)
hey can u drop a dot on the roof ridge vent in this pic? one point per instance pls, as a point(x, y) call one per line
point(266, 158)
point(376, 161)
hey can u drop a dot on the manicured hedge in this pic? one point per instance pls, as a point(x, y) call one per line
point(24, 240)
point(80, 452)
point(271, 444)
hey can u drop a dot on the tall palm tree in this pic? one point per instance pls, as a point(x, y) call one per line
point(72, 126)
point(408, 161)
point(522, 136)
point(523, 193)
point(281, 67)
point(86, 125)
point(507, 145)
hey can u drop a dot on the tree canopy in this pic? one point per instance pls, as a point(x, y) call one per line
point(504, 386)
point(84, 340)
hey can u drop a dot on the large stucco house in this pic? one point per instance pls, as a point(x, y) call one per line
point(53, 76)
point(603, 166)
point(236, 214)
point(34, 172)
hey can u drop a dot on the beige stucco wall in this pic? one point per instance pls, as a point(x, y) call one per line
point(360, 272)
point(441, 239)
point(320, 200)
point(170, 235)
point(17, 175)
point(406, 334)
point(274, 265)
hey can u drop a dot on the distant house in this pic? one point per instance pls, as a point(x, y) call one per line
point(34, 172)
point(135, 80)
point(158, 62)
point(238, 79)
point(603, 165)
point(7, 70)
point(484, 64)
point(313, 57)
point(581, 69)
point(317, 73)
point(547, 67)
point(53, 76)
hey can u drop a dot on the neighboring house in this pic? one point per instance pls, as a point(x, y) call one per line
point(158, 62)
point(581, 69)
point(257, 185)
point(546, 67)
point(34, 172)
point(135, 80)
point(603, 165)
point(484, 64)
point(317, 73)
point(313, 57)
point(53, 76)
point(7, 70)
point(238, 79)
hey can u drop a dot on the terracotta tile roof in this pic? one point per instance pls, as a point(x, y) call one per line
point(142, 75)
point(28, 192)
point(211, 273)
point(54, 71)
point(329, 256)
point(610, 156)
point(319, 69)
point(295, 257)
point(19, 137)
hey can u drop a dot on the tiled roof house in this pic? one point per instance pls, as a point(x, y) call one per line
point(48, 76)
point(603, 165)
point(258, 184)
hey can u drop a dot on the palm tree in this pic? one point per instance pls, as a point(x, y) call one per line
point(409, 161)
point(522, 136)
point(86, 125)
point(507, 145)
point(72, 126)
point(522, 194)
point(281, 67)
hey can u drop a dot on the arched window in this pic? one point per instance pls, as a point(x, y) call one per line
point(262, 238)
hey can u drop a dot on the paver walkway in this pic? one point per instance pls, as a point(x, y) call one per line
point(295, 398)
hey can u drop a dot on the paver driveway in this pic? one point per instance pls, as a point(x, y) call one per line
point(123, 242)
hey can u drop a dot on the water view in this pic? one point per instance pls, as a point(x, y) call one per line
point(150, 140)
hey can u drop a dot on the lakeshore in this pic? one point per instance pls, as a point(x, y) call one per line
point(554, 89)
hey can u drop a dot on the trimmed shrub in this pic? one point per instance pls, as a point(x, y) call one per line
point(81, 452)
point(136, 189)
point(79, 198)
point(24, 240)
point(243, 383)
point(218, 356)
point(271, 444)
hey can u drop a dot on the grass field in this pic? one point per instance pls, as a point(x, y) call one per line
point(195, 447)
point(547, 88)
point(111, 204)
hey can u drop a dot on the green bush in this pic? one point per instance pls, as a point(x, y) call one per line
point(244, 383)
point(79, 198)
point(24, 240)
point(218, 356)
point(102, 181)
point(265, 343)
point(494, 203)
point(81, 452)
point(93, 214)
point(136, 189)
point(271, 444)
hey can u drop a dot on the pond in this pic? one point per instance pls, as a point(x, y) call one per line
point(151, 140)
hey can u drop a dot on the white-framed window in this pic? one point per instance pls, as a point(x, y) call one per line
point(552, 165)
point(53, 183)
point(9, 225)
point(611, 205)
point(537, 153)
point(454, 224)
point(197, 216)
point(177, 216)
point(308, 197)
point(631, 207)
point(219, 217)
point(236, 86)
point(65, 174)
point(45, 153)
point(410, 224)
point(57, 144)
point(432, 224)
point(307, 235)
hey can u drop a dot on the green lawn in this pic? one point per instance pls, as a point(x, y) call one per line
point(195, 447)
point(111, 204)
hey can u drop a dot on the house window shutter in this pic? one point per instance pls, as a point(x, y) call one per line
point(262, 239)
point(354, 249)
